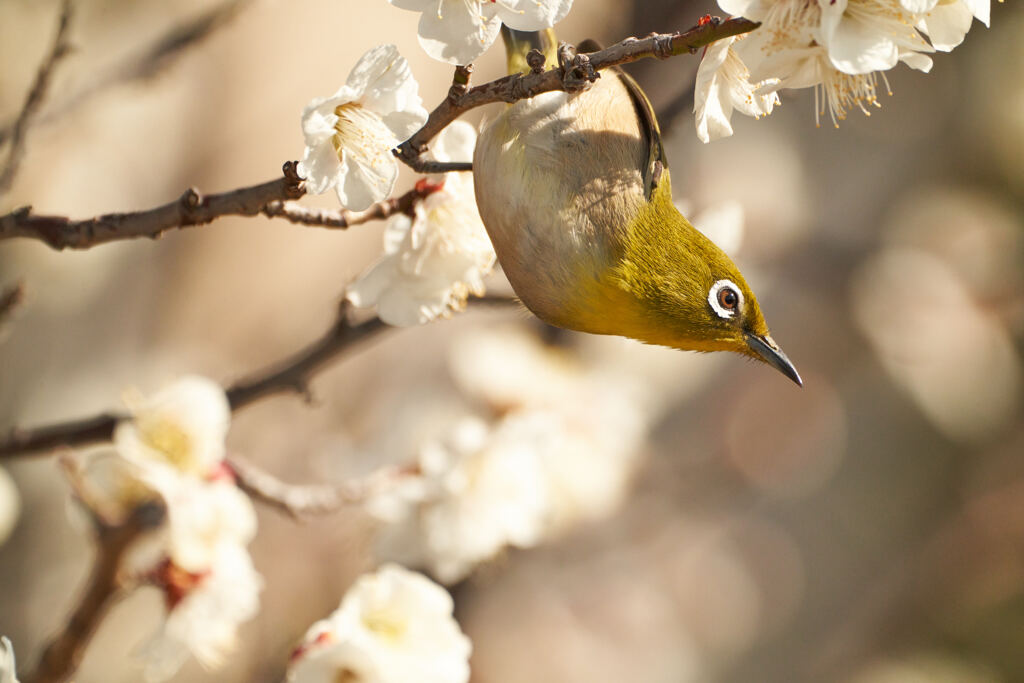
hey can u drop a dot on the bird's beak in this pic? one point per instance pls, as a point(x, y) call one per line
point(767, 350)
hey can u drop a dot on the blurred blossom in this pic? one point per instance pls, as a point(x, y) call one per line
point(171, 451)
point(560, 447)
point(973, 233)
point(929, 667)
point(790, 447)
point(435, 260)
point(202, 518)
point(489, 492)
point(723, 84)
point(722, 223)
point(350, 135)
point(179, 430)
point(204, 611)
point(8, 672)
point(459, 31)
point(10, 505)
point(956, 361)
point(393, 626)
point(595, 419)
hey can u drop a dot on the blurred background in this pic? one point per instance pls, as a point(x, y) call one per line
point(867, 528)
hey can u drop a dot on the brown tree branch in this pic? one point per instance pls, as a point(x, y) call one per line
point(574, 72)
point(150, 62)
point(291, 375)
point(10, 299)
point(191, 209)
point(301, 501)
point(61, 47)
point(188, 210)
point(62, 656)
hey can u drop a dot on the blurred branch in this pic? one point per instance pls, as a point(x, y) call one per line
point(299, 501)
point(291, 375)
point(192, 208)
point(62, 656)
point(10, 299)
point(61, 47)
point(151, 61)
point(574, 72)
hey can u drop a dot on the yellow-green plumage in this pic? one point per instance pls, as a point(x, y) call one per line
point(575, 193)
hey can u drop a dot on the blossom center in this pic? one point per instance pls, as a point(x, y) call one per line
point(170, 440)
point(360, 130)
point(386, 625)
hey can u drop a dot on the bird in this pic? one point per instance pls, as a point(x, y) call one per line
point(575, 193)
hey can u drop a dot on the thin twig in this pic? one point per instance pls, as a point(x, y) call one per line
point(291, 375)
point(61, 657)
point(191, 209)
point(61, 47)
point(301, 501)
point(574, 72)
point(343, 218)
point(148, 63)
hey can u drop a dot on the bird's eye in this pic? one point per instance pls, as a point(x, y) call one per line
point(725, 298)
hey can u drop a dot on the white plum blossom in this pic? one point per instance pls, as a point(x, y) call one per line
point(350, 135)
point(841, 48)
point(435, 260)
point(393, 626)
point(947, 21)
point(204, 612)
point(179, 430)
point(171, 452)
point(559, 448)
point(8, 672)
point(459, 31)
point(723, 84)
point(202, 517)
point(10, 505)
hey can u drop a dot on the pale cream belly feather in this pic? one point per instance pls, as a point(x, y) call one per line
point(548, 188)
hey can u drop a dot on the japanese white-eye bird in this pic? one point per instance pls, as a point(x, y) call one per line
point(575, 194)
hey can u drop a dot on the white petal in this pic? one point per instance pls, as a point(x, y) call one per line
point(8, 672)
point(320, 167)
point(918, 6)
point(10, 506)
point(915, 60)
point(947, 25)
point(415, 5)
point(455, 143)
point(980, 9)
point(855, 48)
point(372, 66)
point(533, 15)
point(458, 34)
point(394, 94)
point(751, 9)
point(365, 178)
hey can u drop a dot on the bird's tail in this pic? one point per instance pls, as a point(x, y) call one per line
point(519, 43)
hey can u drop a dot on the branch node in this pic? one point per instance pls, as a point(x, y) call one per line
point(535, 59)
point(577, 71)
point(294, 183)
point(663, 44)
point(460, 83)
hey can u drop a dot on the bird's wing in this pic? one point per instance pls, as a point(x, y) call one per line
point(656, 162)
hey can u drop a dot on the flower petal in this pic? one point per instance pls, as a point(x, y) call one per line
point(320, 167)
point(458, 33)
point(533, 15)
point(947, 25)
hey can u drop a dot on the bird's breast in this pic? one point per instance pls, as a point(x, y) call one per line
point(558, 179)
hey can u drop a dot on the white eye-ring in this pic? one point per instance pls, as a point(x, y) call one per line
point(725, 298)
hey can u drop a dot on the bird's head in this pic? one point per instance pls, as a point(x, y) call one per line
point(686, 292)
